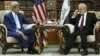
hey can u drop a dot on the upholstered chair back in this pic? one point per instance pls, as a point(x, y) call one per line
point(4, 12)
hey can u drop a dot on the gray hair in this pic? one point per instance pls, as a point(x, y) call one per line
point(14, 4)
point(83, 5)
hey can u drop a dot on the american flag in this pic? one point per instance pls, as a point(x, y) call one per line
point(39, 15)
point(39, 12)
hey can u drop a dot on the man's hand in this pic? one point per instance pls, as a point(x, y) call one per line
point(20, 32)
point(75, 13)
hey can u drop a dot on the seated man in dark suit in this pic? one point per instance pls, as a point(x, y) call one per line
point(14, 21)
point(84, 24)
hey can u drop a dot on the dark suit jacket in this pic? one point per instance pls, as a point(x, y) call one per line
point(67, 20)
point(90, 22)
point(10, 22)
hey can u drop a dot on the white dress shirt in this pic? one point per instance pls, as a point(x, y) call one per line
point(84, 22)
point(18, 26)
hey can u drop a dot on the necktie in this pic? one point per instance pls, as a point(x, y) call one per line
point(81, 25)
point(17, 22)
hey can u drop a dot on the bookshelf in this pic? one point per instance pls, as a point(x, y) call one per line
point(1, 5)
point(26, 6)
point(59, 6)
point(53, 7)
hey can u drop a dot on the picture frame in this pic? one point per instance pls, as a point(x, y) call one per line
point(50, 4)
point(51, 15)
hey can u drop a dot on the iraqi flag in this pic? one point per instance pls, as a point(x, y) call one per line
point(64, 11)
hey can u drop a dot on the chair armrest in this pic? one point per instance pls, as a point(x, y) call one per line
point(96, 32)
point(71, 27)
point(3, 30)
point(29, 26)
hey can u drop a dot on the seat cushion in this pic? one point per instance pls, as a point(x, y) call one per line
point(14, 40)
point(90, 38)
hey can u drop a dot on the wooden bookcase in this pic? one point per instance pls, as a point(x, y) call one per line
point(1, 5)
point(26, 6)
point(51, 13)
point(53, 7)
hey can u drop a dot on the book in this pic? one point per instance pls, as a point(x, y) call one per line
point(29, 4)
point(1, 5)
point(22, 4)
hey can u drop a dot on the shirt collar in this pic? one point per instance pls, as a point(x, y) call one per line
point(85, 13)
point(13, 13)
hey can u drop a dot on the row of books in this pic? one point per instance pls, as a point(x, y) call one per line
point(51, 4)
point(80, 0)
point(1, 5)
point(26, 5)
point(90, 5)
point(97, 6)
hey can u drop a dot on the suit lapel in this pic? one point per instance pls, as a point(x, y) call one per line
point(12, 18)
point(87, 18)
point(79, 16)
point(19, 17)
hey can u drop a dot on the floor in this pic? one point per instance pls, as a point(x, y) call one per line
point(52, 50)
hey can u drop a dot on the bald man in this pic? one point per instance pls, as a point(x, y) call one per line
point(84, 24)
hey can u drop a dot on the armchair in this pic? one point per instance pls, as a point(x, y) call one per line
point(92, 40)
point(7, 41)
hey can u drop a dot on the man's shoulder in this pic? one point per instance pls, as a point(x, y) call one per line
point(90, 13)
point(8, 14)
